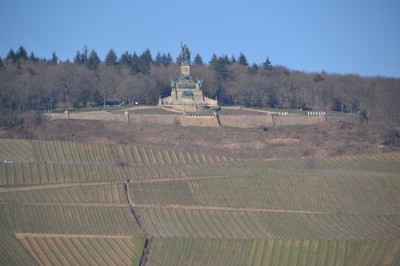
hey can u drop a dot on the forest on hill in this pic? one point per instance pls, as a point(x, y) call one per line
point(29, 83)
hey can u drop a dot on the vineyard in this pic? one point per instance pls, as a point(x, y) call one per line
point(249, 223)
point(83, 250)
point(69, 203)
point(309, 191)
point(272, 252)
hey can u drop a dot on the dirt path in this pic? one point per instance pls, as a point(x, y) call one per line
point(97, 183)
point(188, 178)
point(114, 205)
point(23, 235)
point(218, 208)
point(60, 185)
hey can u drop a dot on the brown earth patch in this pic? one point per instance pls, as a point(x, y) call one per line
point(331, 138)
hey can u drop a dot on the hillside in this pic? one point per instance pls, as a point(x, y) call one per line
point(347, 136)
point(69, 202)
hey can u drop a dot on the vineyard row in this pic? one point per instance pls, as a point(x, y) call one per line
point(171, 222)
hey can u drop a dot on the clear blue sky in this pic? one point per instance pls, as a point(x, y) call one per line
point(338, 36)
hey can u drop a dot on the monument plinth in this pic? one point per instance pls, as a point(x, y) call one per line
point(186, 94)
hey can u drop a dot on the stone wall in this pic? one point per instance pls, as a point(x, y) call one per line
point(187, 108)
point(142, 118)
point(246, 121)
point(295, 120)
point(241, 121)
point(103, 116)
point(210, 101)
point(199, 121)
point(155, 119)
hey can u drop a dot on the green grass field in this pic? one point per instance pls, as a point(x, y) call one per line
point(67, 203)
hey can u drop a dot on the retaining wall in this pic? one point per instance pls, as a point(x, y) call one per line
point(295, 120)
point(90, 116)
point(142, 118)
point(241, 121)
point(155, 119)
point(199, 121)
point(246, 121)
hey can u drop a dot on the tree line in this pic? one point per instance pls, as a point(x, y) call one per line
point(31, 83)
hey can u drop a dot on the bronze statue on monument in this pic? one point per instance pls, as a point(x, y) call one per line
point(185, 53)
point(186, 93)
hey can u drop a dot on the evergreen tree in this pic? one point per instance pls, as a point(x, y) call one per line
point(253, 69)
point(267, 64)
point(1, 63)
point(162, 89)
point(78, 58)
point(145, 61)
point(11, 57)
point(81, 58)
point(233, 59)
point(33, 58)
point(220, 66)
point(169, 59)
point(85, 55)
point(125, 59)
point(21, 54)
point(134, 67)
point(166, 59)
point(111, 58)
point(318, 78)
point(214, 60)
point(54, 58)
point(94, 97)
point(225, 60)
point(158, 59)
point(243, 60)
point(198, 61)
point(93, 60)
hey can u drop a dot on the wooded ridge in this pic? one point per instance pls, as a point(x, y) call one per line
point(31, 83)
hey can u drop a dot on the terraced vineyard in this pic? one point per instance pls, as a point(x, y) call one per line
point(67, 203)
point(230, 223)
point(100, 194)
point(83, 250)
point(273, 252)
point(309, 191)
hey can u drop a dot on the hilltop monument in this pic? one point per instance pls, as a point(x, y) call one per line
point(186, 94)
